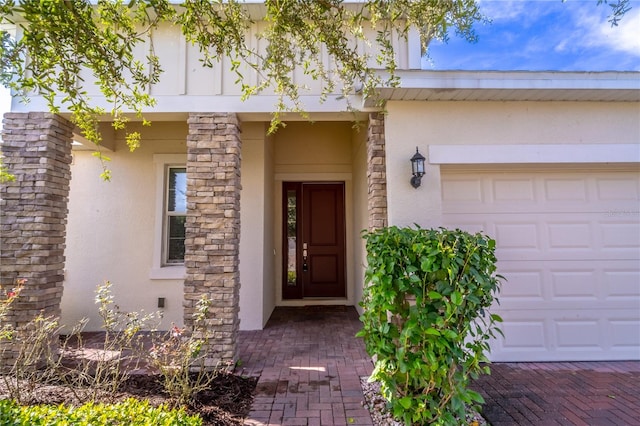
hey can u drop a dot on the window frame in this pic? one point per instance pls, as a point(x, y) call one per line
point(160, 269)
point(166, 214)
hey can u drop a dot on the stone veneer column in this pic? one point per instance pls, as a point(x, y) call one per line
point(33, 213)
point(376, 172)
point(213, 228)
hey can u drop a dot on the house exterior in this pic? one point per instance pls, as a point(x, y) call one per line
point(548, 163)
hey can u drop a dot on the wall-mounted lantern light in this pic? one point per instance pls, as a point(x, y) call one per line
point(417, 168)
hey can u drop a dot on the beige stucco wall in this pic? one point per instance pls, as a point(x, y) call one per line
point(256, 213)
point(516, 122)
point(570, 128)
point(360, 210)
point(111, 230)
point(269, 271)
point(303, 147)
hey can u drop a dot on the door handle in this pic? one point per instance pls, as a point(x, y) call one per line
point(305, 265)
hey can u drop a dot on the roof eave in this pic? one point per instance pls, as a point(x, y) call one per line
point(609, 86)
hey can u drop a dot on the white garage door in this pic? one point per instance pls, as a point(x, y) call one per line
point(568, 243)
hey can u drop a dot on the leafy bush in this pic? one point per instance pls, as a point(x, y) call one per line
point(7, 299)
point(181, 358)
point(179, 355)
point(130, 413)
point(425, 319)
point(102, 370)
point(31, 348)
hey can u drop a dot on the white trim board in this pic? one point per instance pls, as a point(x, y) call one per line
point(534, 154)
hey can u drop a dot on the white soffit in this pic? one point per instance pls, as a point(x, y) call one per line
point(534, 154)
point(512, 86)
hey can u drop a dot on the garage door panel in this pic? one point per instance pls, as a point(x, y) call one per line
point(564, 190)
point(618, 189)
point(594, 232)
point(561, 304)
point(518, 236)
point(543, 191)
point(604, 209)
point(523, 285)
point(473, 226)
point(624, 334)
point(595, 285)
point(514, 189)
point(529, 335)
point(620, 236)
point(569, 236)
point(581, 334)
point(576, 284)
point(463, 191)
point(566, 334)
point(568, 243)
point(623, 282)
point(553, 236)
point(560, 230)
point(533, 255)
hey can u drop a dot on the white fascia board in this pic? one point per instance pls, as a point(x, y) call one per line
point(534, 154)
point(511, 80)
point(214, 103)
point(510, 86)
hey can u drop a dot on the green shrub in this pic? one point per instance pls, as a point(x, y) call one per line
point(425, 319)
point(130, 413)
point(181, 358)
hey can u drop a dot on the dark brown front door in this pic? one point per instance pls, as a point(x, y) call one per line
point(314, 240)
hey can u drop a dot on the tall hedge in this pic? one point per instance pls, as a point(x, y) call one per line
point(425, 319)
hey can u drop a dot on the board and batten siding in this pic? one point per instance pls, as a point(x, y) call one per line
point(184, 74)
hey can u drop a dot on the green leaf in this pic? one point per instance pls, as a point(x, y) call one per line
point(450, 334)
point(496, 317)
point(406, 402)
point(473, 299)
point(475, 396)
point(456, 298)
point(434, 295)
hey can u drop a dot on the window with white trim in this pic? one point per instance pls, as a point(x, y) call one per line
point(170, 212)
point(175, 215)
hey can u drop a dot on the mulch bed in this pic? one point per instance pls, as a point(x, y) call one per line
point(226, 402)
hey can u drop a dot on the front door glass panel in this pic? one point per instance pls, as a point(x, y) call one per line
point(292, 237)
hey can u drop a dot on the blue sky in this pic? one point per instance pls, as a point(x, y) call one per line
point(543, 35)
point(537, 35)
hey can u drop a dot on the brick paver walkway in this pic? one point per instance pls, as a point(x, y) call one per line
point(309, 363)
point(310, 366)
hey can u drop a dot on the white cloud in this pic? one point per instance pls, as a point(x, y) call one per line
point(591, 29)
point(626, 36)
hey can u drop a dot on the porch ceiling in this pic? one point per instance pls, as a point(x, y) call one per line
point(512, 86)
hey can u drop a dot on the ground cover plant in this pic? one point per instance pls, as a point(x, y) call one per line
point(425, 319)
point(128, 371)
point(130, 413)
